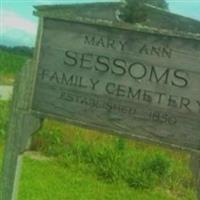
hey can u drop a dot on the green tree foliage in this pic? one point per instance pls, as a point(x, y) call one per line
point(135, 12)
point(11, 63)
point(18, 50)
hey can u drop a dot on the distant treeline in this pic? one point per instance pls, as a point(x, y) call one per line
point(19, 50)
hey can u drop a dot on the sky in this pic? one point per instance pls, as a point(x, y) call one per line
point(18, 26)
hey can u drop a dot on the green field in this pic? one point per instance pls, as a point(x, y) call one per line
point(67, 162)
point(10, 64)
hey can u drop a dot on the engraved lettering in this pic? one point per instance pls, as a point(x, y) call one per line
point(172, 101)
point(104, 42)
point(156, 51)
point(147, 97)
point(137, 71)
point(154, 75)
point(54, 78)
point(122, 45)
point(111, 44)
point(144, 50)
point(167, 52)
point(100, 42)
point(44, 73)
point(94, 83)
point(70, 58)
point(133, 95)
point(184, 103)
point(120, 67)
point(110, 88)
point(180, 79)
point(89, 40)
point(67, 81)
point(86, 60)
point(104, 64)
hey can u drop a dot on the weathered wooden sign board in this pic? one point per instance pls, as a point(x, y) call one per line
point(140, 83)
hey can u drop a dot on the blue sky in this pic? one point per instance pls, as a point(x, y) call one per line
point(18, 26)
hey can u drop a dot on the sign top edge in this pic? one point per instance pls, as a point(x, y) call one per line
point(105, 13)
point(71, 5)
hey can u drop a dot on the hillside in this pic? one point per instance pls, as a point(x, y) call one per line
point(10, 64)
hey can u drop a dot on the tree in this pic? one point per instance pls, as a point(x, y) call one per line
point(135, 11)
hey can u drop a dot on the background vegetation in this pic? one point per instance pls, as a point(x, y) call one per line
point(11, 61)
point(18, 50)
point(134, 11)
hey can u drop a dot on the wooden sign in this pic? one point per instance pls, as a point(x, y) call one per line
point(95, 71)
point(139, 84)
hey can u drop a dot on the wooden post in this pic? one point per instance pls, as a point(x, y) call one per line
point(195, 165)
point(20, 129)
point(22, 125)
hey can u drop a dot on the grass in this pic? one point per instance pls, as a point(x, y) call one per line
point(4, 112)
point(88, 165)
point(50, 181)
point(10, 64)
